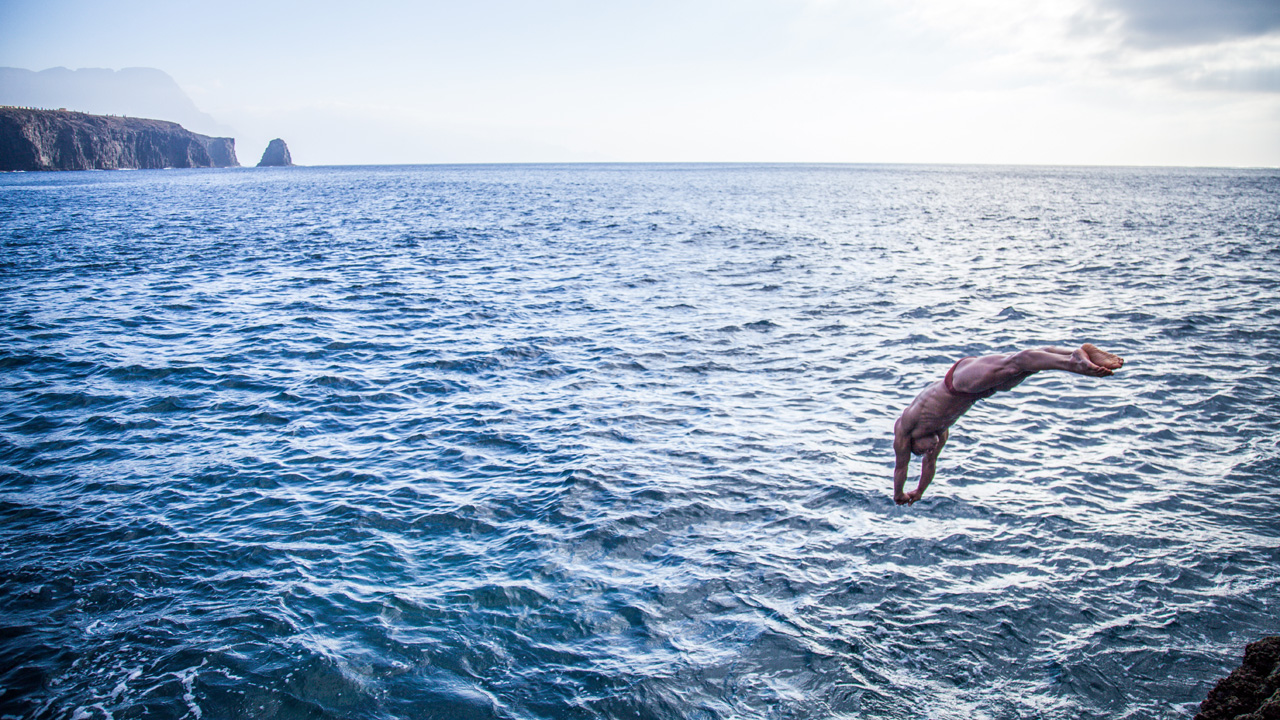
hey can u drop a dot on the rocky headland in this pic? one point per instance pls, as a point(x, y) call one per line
point(276, 155)
point(1251, 691)
point(33, 139)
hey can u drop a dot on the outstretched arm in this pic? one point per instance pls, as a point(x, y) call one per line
point(902, 455)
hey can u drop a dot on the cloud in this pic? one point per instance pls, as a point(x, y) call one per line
point(1216, 62)
point(1181, 23)
point(1264, 79)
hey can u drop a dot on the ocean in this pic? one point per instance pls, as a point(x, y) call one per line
point(614, 441)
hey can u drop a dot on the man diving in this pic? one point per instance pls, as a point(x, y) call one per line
point(924, 426)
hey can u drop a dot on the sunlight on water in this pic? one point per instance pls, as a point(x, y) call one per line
point(615, 441)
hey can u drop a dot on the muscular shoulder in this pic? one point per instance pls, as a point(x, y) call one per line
point(902, 431)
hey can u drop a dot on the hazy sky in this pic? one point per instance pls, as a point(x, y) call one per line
point(1149, 82)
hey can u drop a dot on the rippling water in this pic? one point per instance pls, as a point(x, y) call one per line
point(614, 442)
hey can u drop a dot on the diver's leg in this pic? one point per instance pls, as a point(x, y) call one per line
point(1076, 361)
point(1004, 371)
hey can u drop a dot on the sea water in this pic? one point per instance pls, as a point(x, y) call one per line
point(615, 442)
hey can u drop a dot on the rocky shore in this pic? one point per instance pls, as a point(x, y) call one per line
point(1251, 691)
point(33, 139)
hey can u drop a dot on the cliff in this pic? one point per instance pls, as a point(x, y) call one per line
point(65, 140)
point(276, 155)
point(1251, 691)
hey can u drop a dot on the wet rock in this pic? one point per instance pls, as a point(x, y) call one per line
point(276, 155)
point(1251, 691)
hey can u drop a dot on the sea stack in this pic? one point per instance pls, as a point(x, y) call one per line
point(276, 155)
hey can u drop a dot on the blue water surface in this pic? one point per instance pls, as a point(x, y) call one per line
point(607, 441)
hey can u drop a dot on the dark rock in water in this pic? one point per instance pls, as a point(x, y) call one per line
point(276, 155)
point(65, 140)
point(1251, 691)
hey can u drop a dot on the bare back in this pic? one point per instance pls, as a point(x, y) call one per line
point(933, 411)
point(938, 406)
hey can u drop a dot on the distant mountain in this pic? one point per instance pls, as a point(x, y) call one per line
point(135, 92)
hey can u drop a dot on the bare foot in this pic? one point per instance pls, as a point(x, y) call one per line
point(1102, 358)
point(1082, 365)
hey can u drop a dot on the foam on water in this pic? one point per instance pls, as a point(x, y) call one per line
point(614, 441)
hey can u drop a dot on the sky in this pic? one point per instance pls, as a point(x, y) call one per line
point(1071, 82)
